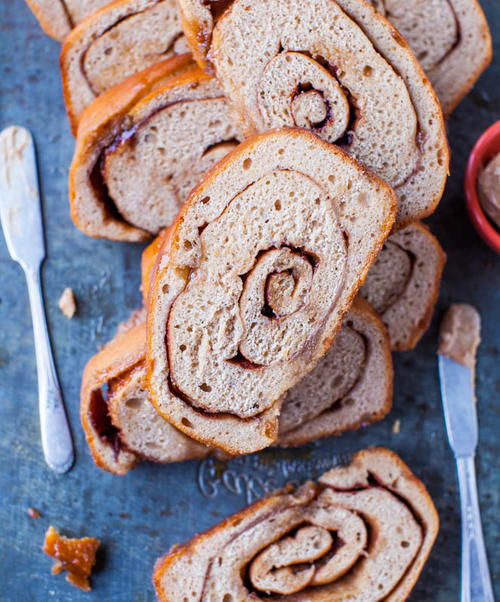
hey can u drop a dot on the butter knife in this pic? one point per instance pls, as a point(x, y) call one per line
point(456, 361)
point(21, 218)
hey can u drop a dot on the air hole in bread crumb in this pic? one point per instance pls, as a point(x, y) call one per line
point(182, 347)
point(134, 403)
point(187, 423)
point(405, 544)
point(165, 288)
point(247, 163)
point(367, 71)
point(205, 387)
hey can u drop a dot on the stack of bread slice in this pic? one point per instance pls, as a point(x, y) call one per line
point(284, 165)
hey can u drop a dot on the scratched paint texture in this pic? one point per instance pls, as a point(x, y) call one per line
point(141, 515)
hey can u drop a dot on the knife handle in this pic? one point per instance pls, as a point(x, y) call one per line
point(57, 444)
point(476, 581)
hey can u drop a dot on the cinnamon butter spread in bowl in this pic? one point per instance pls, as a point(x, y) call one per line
point(482, 186)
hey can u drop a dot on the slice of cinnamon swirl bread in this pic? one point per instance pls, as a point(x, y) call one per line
point(253, 281)
point(143, 145)
point(123, 38)
point(341, 70)
point(403, 283)
point(363, 532)
point(450, 38)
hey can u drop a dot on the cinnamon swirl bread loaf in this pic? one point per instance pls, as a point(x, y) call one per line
point(338, 68)
point(58, 17)
point(361, 533)
point(123, 38)
point(143, 146)
point(403, 283)
point(253, 281)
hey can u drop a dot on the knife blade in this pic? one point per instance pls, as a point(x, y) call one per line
point(21, 218)
point(459, 406)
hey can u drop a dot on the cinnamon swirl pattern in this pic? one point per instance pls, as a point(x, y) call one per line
point(450, 38)
point(253, 281)
point(338, 68)
point(125, 37)
point(143, 146)
point(403, 283)
point(362, 532)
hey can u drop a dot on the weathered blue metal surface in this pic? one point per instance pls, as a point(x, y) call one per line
point(140, 516)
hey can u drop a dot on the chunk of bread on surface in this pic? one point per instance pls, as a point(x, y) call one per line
point(138, 155)
point(123, 38)
point(253, 281)
point(403, 283)
point(362, 532)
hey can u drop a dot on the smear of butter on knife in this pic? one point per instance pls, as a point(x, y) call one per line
point(460, 334)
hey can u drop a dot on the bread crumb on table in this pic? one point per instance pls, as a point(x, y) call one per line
point(67, 303)
point(396, 427)
point(77, 556)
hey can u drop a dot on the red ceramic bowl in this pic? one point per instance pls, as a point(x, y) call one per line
point(485, 149)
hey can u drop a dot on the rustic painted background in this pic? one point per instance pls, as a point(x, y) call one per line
point(141, 515)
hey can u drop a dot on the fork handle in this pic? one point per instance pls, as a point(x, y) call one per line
point(57, 444)
point(476, 581)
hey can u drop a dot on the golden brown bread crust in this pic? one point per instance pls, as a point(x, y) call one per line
point(266, 422)
point(121, 355)
point(148, 261)
point(102, 120)
point(192, 563)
